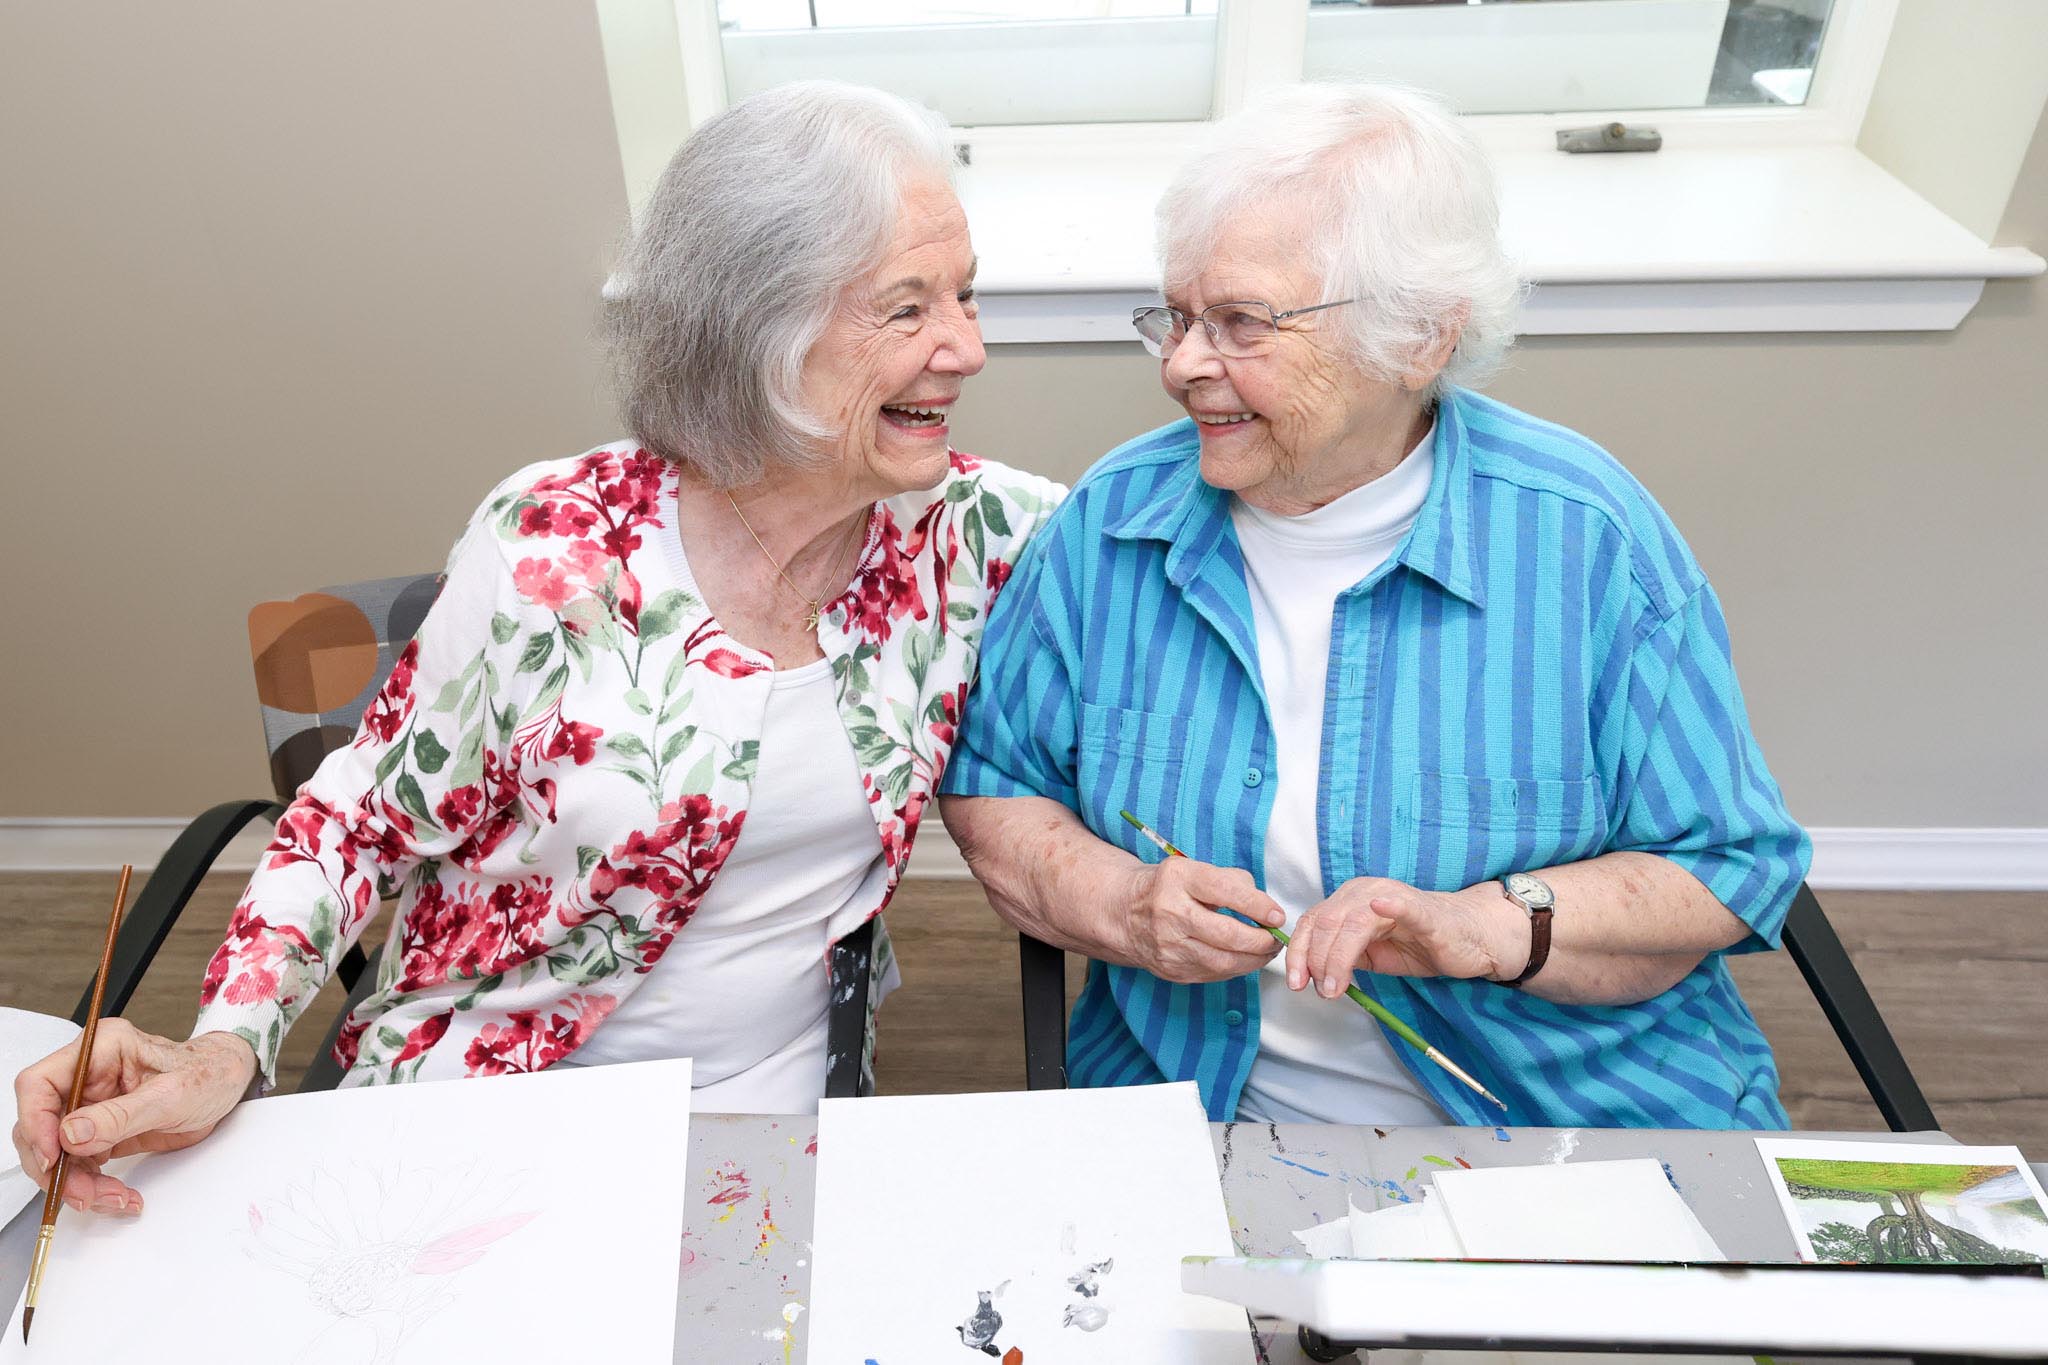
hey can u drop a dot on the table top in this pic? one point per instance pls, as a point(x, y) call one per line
point(743, 1277)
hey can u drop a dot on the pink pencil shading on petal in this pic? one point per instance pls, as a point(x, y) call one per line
point(466, 1246)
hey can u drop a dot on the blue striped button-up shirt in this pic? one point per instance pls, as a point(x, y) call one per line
point(1539, 674)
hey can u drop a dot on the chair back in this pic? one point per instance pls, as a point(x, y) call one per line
point(319, 660)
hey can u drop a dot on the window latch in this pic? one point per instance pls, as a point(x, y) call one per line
point(1609, 137)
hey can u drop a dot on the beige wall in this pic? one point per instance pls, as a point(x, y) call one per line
point(283, 290)
point(289, 292)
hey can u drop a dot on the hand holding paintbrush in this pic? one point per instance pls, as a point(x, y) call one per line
point(53, 1198)
point(1400, 1027)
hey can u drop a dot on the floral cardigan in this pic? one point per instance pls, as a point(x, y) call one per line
point(561, 762)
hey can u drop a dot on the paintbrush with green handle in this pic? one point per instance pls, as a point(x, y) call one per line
point(1371, 1006)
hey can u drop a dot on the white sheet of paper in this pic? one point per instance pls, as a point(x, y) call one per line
point(1580, 1211)
point(2009, 1210)
point(25, 1038)
point(1418, 1231)
point(926, 1202)
point(450, 1220)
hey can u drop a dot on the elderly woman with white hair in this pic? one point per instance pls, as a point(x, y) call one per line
point(668, 731)
point(1432, 683)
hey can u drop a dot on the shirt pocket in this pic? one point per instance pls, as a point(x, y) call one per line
point(1134, 761)
point(1459, 830)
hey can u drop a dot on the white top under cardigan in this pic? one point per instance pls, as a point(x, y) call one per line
point(1319, 1061)
point(740, 992)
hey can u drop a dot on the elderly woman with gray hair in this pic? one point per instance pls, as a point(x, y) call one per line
point(668, 732)
point(1429, 681)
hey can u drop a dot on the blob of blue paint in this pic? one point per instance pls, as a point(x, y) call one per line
point(1501, 1135)
point(1670, 1177)
point(1299, 1167)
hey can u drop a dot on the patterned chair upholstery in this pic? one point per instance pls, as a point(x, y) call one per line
point(319, 660)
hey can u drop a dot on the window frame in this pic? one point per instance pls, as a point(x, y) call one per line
point(1903, 264)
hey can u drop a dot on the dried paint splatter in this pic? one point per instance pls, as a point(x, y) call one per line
point(1089, 1317)
point(1299, 1167)
point(1087, 1281)
point(1501, 1135)
point(1438, 1161)
point(731, 1187)
point(769, 1232)
point(979, 1330)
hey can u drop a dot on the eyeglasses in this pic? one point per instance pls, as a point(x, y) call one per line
point(1236, 330)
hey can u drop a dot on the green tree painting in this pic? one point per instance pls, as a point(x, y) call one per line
point(1904, 1229)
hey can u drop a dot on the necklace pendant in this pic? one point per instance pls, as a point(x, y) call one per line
point(811, 619)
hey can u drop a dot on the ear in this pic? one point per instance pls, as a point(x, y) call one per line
point(1430, 361)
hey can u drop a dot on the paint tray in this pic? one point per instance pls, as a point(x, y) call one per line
point(1997, 1312)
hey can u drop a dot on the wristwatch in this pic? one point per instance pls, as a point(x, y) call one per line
point(1537, 900)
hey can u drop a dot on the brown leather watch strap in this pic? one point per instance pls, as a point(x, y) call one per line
point(1539, 946)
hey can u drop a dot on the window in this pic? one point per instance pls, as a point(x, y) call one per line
point(1759, 214)
point(1145, 61)
point(1062, 61)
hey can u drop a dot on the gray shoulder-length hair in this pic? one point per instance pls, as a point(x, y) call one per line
point(1404, 220)
point(763, 218)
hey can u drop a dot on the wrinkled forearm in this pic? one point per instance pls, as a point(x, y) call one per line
point(1628, 926)
point(1044, 872)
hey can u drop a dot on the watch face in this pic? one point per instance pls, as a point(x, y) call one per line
point(1534, 890)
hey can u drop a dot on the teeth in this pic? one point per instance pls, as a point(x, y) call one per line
point(1212, 421)
point(919, 412)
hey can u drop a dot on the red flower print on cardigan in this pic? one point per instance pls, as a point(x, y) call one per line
point(594, 512)
point(886, 589)
point(466, 932)
point(250, 965)
point(531, 1040)
point(394, 700)
point(673, 863)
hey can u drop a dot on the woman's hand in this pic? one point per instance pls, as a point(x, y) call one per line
point(1380, 925)
point(1177, 929)
point(143, 1094)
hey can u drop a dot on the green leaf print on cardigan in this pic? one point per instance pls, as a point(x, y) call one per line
point(561, 762)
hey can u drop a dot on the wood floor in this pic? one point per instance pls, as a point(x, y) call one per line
point(1961, 978)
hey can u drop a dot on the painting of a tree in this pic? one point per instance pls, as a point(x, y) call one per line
point(1906, 1198)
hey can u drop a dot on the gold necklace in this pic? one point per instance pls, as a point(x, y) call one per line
point(816, 604)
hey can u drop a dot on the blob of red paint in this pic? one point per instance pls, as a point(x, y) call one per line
point(1013, 1356)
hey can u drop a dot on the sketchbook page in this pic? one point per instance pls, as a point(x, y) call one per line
point(1581, 1211)
point(392, 1225)
point(1051, 1223)
point(25, 1038)
point(1881, 1203)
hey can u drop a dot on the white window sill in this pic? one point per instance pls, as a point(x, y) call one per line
point(1700, 239)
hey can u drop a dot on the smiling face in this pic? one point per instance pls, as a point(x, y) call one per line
point(1299, 423)
point(884, 376)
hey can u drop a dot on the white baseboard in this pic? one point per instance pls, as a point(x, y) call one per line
point(1843, 857)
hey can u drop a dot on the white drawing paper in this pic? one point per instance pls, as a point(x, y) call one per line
point(1419, 1230)
point(1899, 1202)
point(1580, 1211)
point(958, 1228)
point(25, 1038)
point(449, 1220)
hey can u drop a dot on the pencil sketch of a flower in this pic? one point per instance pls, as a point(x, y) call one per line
point(375, 1249)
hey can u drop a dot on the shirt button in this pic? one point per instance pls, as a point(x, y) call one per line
point(1253, 777)
point(1233, 1017)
